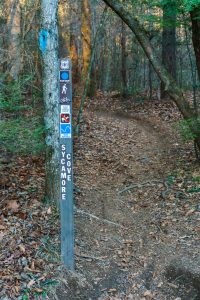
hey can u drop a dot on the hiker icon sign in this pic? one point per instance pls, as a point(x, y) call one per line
point(65, 95)
point(64, 89)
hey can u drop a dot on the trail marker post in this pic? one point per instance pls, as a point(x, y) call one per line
point(66, 164)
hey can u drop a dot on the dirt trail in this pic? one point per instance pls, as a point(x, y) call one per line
point(137, 212)
point(126, 152)
point(126, 259)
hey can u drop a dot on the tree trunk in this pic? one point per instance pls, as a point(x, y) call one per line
point(49, 48)
point(106, 74)
point(63, 30)
point(123, 60)
point(86, 35)
point(169, 83)
point(75, 41)
point(13, 39)
point(74, 57)
point(195, 17)
point(150, 88)
point(169, 41)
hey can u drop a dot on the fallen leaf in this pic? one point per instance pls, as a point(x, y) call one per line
point(36, 203)
point(190, 212)
point(49, 211)
point(22, 248)
point(148, 294)
point(32, 265)
point(17, 289)
point(1, 236)
point(112, 290)
point(173, 285)
point(13, 205)
point(31, 283)
point(38, 290)
point(22, 215)
point(197, 229)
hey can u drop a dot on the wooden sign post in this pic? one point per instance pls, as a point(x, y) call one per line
point(66, 164)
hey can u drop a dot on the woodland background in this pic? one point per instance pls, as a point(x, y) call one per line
point(137, 79)
point(118, 62)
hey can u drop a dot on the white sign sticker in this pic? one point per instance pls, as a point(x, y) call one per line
point(64, 64)
point(65, 109)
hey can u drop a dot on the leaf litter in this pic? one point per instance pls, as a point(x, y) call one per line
point(24, 227)
point(122, 144)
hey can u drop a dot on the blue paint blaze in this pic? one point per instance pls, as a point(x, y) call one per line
point(64, 75)
point(43, 35)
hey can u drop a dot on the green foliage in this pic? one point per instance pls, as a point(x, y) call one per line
point(194, 190)
point(190, 4)
point(28, 293)
point(189, 129)
point(21, 125)
point(196, 179)
point(187, 5)
point(13, 94)
point(153, 19)
point(170, 179)
point(23, 135)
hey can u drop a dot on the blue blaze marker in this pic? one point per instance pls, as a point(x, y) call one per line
point(43, 35)
point(64, 75)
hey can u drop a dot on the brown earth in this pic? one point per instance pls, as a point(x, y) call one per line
point(136, 218)
point(133, 173)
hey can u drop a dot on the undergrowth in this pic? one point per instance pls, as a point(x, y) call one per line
point(21, 123)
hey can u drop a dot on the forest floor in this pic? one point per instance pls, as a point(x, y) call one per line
point(137, 212)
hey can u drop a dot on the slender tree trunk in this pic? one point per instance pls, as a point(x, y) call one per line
point(144, 74)
point(169, 41)
point(75, 49)
point(102, 65)
point(49, 47)
point(86, 35)
point(96, 38)
point(123, 59)
point(63, 20)
point(74, 57)
point(106, 74)
point(150, 91)
point(181, 71)
point(13, 39)
point(193, 71)
point(195, 17)
point(169, 83)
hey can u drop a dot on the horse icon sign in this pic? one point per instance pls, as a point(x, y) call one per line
point(65, 118)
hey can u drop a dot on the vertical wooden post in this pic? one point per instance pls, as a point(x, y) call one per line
point(66, 164)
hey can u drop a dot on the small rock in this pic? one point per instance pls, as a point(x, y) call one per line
point(148, 295)
point(24, 262)
point(160, 284)
point(25, 276)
